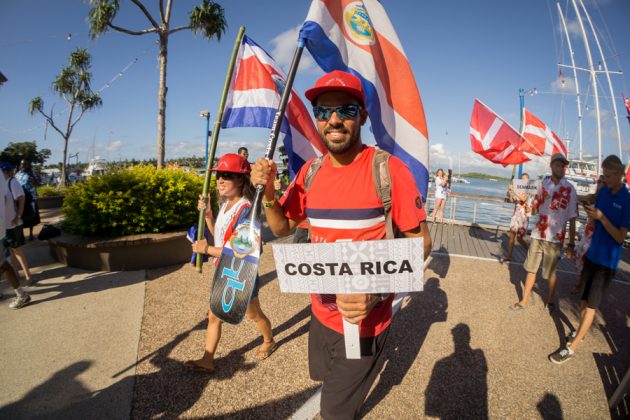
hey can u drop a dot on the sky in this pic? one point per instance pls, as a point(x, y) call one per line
point(459, 50)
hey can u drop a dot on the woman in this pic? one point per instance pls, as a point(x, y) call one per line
point(441, 185)
point(236, 193)
point(520, 219)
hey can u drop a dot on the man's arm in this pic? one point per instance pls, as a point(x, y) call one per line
point(421, 231)
point(618, 234)
point(264, 173)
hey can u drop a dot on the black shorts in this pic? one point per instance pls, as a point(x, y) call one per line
point(346, 382)
point(15, 237)
point(595, 279)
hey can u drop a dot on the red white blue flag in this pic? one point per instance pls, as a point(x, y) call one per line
point(357, 37)
point(253, 98)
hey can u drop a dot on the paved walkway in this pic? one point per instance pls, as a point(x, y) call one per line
point(111, 345)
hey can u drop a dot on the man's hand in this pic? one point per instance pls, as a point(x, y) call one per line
point(264, 173)
point(593, 212)
point(354, 308)
point(200, 247)
point(15, 221)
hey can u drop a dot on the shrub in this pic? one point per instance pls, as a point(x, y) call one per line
point(50, 191)
point(140, 199)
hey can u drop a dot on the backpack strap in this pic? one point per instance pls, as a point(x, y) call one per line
point(311, 171)
point(383, 185)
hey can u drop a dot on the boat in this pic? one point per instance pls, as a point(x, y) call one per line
point(583, 173)
point(97, 166)
point(459, 180)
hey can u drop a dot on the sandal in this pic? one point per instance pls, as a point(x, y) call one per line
point(504, 260)
point(517, 307)
point(194, 366)
point(263, 354)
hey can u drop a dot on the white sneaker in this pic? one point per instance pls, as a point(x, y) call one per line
point(20, 302)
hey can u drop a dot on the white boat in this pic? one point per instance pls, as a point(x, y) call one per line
point(97, 166)
point(459, 180)
point(583, 176)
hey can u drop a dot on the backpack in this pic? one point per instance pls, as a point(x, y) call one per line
point(382, 182)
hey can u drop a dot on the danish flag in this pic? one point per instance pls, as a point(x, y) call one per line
point(493, 138)
point(539, 139)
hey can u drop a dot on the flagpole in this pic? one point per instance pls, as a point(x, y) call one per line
point(277, 124)
point(201, 225)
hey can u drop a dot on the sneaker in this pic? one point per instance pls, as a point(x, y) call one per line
point(20, 302)
point(561, 355)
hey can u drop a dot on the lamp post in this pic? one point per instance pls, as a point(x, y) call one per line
point(521, 93)
point(206, 115)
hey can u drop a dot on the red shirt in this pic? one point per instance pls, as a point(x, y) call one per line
point(342, 204)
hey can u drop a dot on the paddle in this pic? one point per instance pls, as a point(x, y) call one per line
point(237, 269)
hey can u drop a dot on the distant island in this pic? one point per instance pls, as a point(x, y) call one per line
point(483, 176)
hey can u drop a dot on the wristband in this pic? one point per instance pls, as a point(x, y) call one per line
point(269, 204)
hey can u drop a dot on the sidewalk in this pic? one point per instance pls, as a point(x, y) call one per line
point(111, 345)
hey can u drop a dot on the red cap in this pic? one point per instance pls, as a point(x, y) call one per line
point(337, 80)
point(232, 162)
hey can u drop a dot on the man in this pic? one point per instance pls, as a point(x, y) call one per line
point(29, 182)
point(342, 204)
point(556, 202)
point(243, 152)
point(611, 214)
point(22, 298)
point(14, 205)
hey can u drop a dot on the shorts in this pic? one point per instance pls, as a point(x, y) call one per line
point(595, 279)
point(346, 382)
point(549, 252)
point(15, 237)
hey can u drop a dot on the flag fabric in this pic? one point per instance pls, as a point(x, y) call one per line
point(538, 138)
point(493, 138)
point(627, 102)
point(253, 98)
point(357, 37)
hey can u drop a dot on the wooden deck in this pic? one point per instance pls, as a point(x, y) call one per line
point(491, 243)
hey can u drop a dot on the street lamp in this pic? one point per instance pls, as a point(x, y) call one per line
point(206, 115)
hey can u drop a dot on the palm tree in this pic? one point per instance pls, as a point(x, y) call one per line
point(207, 19)
point(73, 85)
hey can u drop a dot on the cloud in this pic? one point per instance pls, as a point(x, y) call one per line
point(113, 146)
point(283, 48)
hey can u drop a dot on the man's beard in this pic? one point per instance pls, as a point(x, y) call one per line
point(339, 147)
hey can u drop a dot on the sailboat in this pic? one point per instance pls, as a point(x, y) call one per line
point(458, 179)
point(583, 173)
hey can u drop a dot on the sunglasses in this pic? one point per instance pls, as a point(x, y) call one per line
point(228, 176)
point(344, 112)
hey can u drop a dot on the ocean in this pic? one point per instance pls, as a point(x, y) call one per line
point(488, 212)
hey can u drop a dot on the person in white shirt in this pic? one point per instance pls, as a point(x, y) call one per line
point(22, 298)
point(441, 186)
point(556, 203)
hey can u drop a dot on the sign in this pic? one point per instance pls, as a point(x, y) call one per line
point(528, 187)
point(386, 266)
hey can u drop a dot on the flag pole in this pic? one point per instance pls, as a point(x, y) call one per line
point(215, 136)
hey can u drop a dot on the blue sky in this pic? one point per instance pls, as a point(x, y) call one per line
point(459, 50)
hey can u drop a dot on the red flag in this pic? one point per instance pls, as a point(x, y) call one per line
point(627, 102)
point(493, 138)
point(539, 139)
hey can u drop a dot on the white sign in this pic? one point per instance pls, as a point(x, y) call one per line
point(528, 187)
point(387, 266)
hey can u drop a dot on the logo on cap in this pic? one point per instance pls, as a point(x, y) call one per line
point(357, 23)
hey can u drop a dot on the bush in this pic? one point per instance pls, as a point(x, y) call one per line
point(50, 191)
point(140, 199)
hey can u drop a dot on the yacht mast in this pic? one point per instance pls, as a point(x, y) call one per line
point(610, 87)
point(591, 70)
point(577, 84)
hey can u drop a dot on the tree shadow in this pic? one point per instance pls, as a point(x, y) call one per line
point(408, 331)
point(91, 283)
point(458, 387)
point(550, 407)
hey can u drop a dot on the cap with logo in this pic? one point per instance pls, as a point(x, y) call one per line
point(336, 81)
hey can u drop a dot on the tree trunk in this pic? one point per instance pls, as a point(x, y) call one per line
point(62, 181)
point(161, 120)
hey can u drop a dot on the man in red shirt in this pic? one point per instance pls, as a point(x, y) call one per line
point(342, 204)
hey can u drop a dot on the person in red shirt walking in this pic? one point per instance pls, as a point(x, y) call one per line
point(342, 204)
